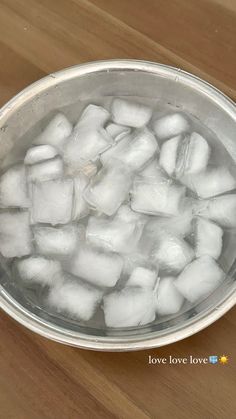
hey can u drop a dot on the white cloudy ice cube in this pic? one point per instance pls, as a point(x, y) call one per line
point(109, 188)
point(80, 207)
point(133, 260)
point(168, 154)
point(199, 279)
point(55, 133)
point(45, 170)
point(154, 170)
point(15, 234)
point(13, 188)
point(52, 201)
point(221, 209)
point(193, 155)
point(56, 241)
point(179, 225)
point(142, 277)
point(88, 138)
point(171, 125)
point(93, 115)
point(116, 131)
point(171, 253)
point(150, 196)
point(37, 269)
point(169, 299)
point(208, 237)
point(115, 149)
point(132, 306)
point(114, 235)
point(129, 113)
point(40, 153)
point(100, 269)
point(136, 152)
point(212, 182)
point(133, 150)
point(74, 298)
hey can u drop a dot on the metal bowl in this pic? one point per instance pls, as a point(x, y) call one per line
point(68, 90)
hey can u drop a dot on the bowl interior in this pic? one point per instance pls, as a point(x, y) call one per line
point(69, 91)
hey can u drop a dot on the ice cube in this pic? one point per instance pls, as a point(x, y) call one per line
point(208, 238)
point(171, 253)
point(150, 196)
point(193, 155)
point(98, 268)
point(187, 155)
point(52, 201)
point(80, 208)
point(115, 234)
point(40, 153)
point(141, 147)
point(154, 170)
point(15, 234)
point(109, 188)
point(130, 113)
point(222, 210)
point(170, 125)
point(214, 181)
point(13, 188)
point(168, 154)
point(37, 269)
point(55, 133)
point(113, 151)
point(169, 300)
point(117, 132)
point(179, 225)
point(56, 241)
point(45, 170)
point(142, 277)
point(133, 260)
point(88, 138)
point(199, 279)
point(94, 116)
point(74, 298)
point(132, 306)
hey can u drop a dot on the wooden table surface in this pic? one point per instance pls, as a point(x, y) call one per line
point(42, 379)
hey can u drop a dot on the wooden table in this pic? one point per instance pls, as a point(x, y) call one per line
point(42, 379)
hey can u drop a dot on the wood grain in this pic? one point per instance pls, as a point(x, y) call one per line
point(42, 379)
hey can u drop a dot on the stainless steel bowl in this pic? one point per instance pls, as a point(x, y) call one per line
point(68, 90)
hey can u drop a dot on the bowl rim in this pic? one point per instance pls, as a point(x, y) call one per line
point(152, 339)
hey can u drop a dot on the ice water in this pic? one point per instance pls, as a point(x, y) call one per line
point(95, 220)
